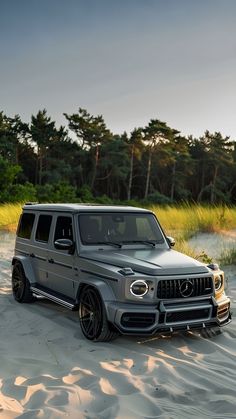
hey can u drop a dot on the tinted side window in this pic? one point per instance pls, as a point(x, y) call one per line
point(43, 228)
point(64, 228)
point(26, 225)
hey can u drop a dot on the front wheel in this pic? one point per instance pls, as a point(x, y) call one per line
point(20, 285)
point(92, 317)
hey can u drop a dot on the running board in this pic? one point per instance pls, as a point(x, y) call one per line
point(53, 298)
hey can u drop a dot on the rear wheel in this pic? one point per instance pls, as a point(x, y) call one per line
point(92, 316)
point(20, 285)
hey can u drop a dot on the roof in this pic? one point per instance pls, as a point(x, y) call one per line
point(82, 208)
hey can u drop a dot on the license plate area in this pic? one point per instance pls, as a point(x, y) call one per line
point(185, 314)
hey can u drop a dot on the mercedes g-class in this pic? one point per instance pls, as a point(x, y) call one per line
point(115, 265)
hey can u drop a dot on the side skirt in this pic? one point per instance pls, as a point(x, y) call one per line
point(54, 296)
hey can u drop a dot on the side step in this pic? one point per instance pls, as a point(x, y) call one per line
point(54, 296)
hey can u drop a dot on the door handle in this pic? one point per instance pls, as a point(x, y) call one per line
point(51, 260)
point(32, 255)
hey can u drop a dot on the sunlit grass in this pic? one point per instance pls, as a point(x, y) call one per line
point(188, 220)
point(185, 221)
point(9, 215)
point(183, 247)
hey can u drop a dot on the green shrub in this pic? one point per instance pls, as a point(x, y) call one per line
point(19, 193)
point(104, 199)
point(59, 192)
point(85, 194)
point(63, 192)
point(156, 198)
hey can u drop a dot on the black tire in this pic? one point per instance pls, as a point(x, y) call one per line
point(20, 285)
point(92, 317)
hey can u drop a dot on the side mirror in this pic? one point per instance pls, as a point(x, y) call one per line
point(65, 244)
point(171, 241)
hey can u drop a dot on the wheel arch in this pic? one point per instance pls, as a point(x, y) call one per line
point(26, 265)
point(105, 292)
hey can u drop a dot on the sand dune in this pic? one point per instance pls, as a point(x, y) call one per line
point(48, 370)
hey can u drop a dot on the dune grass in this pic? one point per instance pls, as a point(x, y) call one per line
point(183, 247)
point(228, 257)
point(9, 215)
point(183, 222)
point(188, 220)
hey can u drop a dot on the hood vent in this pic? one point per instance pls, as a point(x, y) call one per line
point(126, 271)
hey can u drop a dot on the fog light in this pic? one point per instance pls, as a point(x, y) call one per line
point(139, 288)
point(218, 282)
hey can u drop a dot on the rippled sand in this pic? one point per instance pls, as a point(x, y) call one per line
point(48, 370)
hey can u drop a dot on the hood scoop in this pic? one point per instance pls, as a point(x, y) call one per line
point(126, 271)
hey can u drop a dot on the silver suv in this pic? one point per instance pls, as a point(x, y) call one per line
point(116, 267)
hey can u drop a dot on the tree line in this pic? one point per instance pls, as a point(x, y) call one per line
point(85, 161)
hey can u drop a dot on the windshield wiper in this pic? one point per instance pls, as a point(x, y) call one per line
point(140, 241)
point(115, 244)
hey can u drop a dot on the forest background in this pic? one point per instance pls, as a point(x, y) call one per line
point(84, 161)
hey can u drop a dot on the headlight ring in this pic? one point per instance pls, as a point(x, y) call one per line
point(139, 288)
point(218, 282)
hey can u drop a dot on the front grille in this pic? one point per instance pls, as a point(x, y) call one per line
point(184, 288)
point(182, 316)
point(140, 320)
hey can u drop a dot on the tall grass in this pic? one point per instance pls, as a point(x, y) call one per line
point(9, 215)
point(184, 221)
point(187, 220)
point(228, 257)
point(183, 247)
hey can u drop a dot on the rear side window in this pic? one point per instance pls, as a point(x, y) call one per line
point(43, 228)
point(26, 225)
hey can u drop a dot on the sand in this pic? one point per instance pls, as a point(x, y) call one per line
point(49, 370)
point(214, 244)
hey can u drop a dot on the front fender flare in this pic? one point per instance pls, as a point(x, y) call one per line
point(28, 270)
point(105, 291)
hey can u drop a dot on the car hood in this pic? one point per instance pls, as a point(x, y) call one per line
point(148, 261)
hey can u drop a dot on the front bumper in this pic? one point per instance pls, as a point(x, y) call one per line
point(134, 319)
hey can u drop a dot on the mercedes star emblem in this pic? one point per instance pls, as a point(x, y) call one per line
point(186, 288)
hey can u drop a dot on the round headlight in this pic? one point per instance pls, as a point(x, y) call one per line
point(139, 288)
point(218, 282)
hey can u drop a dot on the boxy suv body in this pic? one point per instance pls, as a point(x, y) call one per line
point(117, 268)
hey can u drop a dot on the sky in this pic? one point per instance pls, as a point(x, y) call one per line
point(129, 60)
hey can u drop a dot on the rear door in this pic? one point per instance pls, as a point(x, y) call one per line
point(39, 249)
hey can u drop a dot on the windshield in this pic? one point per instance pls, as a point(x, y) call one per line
point(119, 228)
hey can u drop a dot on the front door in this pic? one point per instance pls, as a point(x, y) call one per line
point(61, 273)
